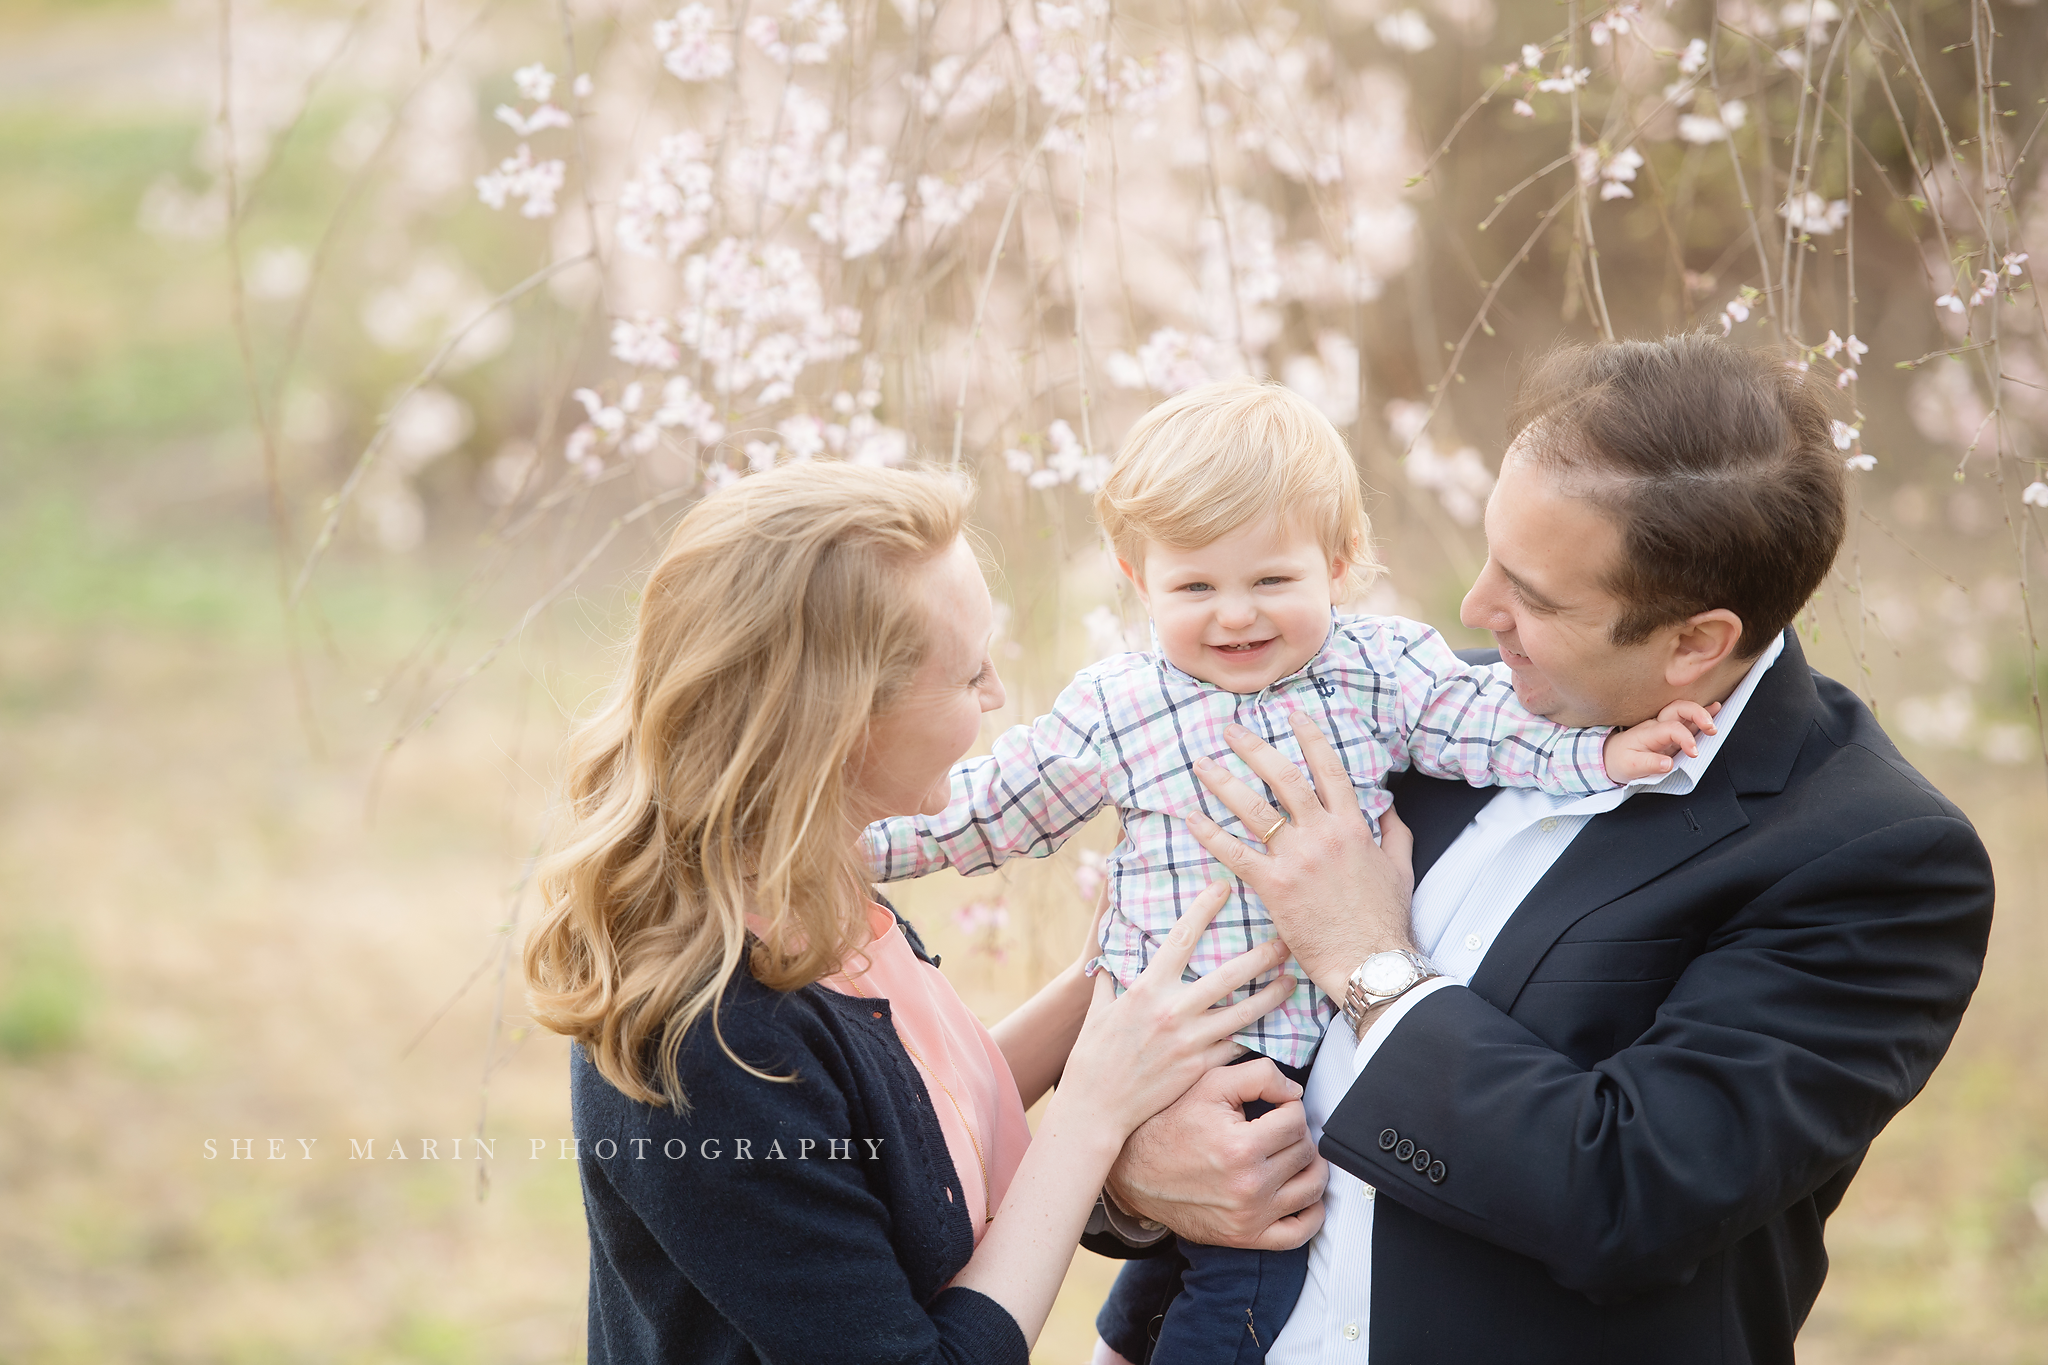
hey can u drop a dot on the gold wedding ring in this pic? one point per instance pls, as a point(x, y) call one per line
point(1267, 837)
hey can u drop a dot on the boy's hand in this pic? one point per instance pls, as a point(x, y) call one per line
point(1647, 750)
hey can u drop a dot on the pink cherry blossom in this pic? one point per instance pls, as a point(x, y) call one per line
point(540, 120)
point(535, 82)
point(644, 343)
point(691, 48)
point(1810, 213)
point(519, 176)
point(858, 206)
point(667, 206)
point(941, 205)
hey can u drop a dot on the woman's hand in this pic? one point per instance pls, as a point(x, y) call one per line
point(1140, 1052)
point(1135, 1056)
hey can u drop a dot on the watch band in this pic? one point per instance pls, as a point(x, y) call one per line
point(1127, 1228)
point(1359, 1002)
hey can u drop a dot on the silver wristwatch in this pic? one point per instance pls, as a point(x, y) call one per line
point(1381, 978)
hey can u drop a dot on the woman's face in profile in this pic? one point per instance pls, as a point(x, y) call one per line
point(911, 749)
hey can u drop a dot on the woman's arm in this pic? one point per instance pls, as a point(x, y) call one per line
point(690, 1243)
point(1037, 1036)
point(1135, 1055)
point(700, 1244)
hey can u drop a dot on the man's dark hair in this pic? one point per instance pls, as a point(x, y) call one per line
point(1717, 464)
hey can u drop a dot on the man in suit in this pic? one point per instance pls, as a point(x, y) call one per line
point(1594, 1095)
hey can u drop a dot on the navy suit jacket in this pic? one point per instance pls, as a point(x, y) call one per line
point(1673, 1057)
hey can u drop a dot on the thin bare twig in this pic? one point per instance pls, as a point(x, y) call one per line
point(266, 424)
point(339, 504)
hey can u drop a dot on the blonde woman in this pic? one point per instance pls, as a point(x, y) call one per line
point(797, 1144)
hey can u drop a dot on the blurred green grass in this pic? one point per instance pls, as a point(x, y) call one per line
point(45, 993)
point(113, 339)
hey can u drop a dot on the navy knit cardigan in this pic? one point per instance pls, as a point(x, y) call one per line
point(809, 1220)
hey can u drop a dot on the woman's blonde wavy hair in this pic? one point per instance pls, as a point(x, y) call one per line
point(784, 616)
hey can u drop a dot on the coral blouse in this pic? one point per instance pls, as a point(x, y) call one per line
point(970, 1084)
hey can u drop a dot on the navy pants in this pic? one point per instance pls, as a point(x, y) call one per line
point(1205, 1305)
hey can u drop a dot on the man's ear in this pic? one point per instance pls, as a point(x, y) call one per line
point(1703, 643)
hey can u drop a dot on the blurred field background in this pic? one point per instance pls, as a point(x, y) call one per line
point(233, 906)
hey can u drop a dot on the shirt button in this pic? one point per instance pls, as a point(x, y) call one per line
point(1549, 825)
point(1350, 1331)
point(1473, 943)
point(1370, 1192)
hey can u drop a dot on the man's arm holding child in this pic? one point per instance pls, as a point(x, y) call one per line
point(1818, 1008)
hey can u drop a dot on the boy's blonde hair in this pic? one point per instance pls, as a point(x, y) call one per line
point(714, 782)
point(1208, 461)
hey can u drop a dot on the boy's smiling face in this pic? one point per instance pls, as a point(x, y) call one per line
point(1243, 611)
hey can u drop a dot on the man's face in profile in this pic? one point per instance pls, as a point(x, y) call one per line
point(1542, 593)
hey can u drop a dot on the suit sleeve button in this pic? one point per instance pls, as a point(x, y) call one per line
point(1437, 1172)
point(1388, 1137)
point(1421, 1161)
point(1403, 1150)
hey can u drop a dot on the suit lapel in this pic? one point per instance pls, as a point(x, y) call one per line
point(1647, 836)
point(1633, 844)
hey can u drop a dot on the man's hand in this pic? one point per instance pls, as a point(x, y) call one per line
point(1199, 1168)
point(1336, 897)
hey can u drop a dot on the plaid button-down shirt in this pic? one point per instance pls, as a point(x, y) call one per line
point(1126, 732)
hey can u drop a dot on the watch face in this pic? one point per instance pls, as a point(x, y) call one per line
point(1386, 973)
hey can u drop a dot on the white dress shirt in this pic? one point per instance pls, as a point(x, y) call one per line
point(1458, 911)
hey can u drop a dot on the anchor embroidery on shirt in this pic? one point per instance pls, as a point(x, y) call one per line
point(1324, 687)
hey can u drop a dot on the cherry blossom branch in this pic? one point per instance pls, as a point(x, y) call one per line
point(338, 504)
point(988, 280)
point(266, 423)
point(531, 614)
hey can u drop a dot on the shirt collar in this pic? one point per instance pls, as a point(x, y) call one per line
point(1687, 770)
